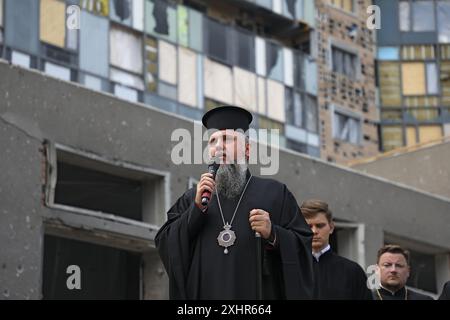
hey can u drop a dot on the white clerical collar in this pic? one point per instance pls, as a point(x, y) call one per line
point(321, 252)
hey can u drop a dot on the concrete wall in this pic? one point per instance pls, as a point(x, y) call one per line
point(34, 107)
point(426, 169)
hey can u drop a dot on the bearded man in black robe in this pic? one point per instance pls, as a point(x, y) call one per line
point(209, 252)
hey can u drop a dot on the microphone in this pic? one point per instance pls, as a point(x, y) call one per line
point(212, 168)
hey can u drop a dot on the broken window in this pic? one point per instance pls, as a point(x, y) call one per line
point(443, 12)
point(105, 272)
point(218, 41)
point(346, 128)
point(97, 190)
point(344, 62)
point(121, 11)
point(245, 50)
point(274, 58)
point(161, 19)
point(289, 8)
point(311, 117)
point(294, 110)
point(423, 271)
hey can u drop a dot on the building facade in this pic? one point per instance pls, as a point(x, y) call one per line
point(413, 66)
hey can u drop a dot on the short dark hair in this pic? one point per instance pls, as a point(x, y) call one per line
point(312, 207)
point(393, 248)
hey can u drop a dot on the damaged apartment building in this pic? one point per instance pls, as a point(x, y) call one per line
point(86, 117)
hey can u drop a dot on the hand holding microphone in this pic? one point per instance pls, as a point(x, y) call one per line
point(206, 185)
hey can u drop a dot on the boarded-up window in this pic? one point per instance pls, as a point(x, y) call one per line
point(138, 14)
point(411, 136)
point(404, 15)
point(151, 57)
point(288, 59)
point(195, 30)
point(275, 100)
point(94, 44)
point(167, 57)
point(429, 133)
point(260, 53)
point(245, 89)
point(391, 114)
point(100, 7)
point(261, 95)
point(423, 15)
point(445, 82)
point(21, 26)
point(131, 58)
point(187, 84)
point(418, 52)
point(161, 19)
point(1, 13)
point(413, 78)
point(126, 78)
point(424, 114)
point(389, 80)
point(218, 81)
point(183, 25)
point(392, 137)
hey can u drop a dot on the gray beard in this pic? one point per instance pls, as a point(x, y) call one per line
point(230, 179)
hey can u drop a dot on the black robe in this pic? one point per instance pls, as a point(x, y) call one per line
point(197, 266)
point(399, 295)
point(338, 278)
point(445, 294)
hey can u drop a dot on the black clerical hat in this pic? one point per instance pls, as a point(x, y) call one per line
point(227, 117)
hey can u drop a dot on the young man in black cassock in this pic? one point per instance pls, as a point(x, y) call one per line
point(209, 252)
point(336, 278)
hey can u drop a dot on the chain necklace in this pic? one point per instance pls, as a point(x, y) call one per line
point(381, 298)
point(227, 237)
